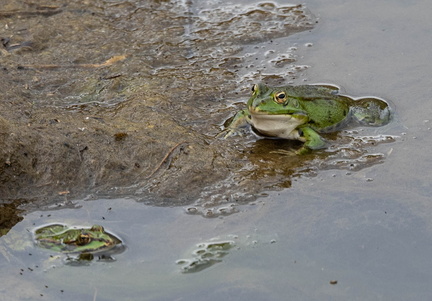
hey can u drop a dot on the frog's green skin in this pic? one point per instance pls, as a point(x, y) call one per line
point(304, 112)
point(61, 238)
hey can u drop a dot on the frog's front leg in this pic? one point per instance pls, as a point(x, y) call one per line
point(239, 120)
point(312, 140)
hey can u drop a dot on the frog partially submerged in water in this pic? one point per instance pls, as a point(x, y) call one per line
point(61, 238)
point(304, 112)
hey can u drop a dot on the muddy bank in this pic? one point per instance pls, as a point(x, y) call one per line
point(63, 152)
point(105, 98)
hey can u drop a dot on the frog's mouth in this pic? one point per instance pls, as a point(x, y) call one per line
point(285, 111)
point(277, 125)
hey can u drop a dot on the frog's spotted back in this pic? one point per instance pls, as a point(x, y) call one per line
point(65, 239)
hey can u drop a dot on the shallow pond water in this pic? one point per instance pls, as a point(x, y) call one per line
point(331, 231)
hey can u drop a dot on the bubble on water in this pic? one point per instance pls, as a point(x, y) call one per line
point(268, 53)
point(182, 261)
point(192, 210)
point(282, 61)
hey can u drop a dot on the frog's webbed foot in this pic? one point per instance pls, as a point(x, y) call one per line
point(284, 152)
point(225, 133)
point(303, 150)
point(290, 152)
point(239, 120)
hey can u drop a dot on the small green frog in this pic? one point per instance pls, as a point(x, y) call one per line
point(304, 112)
point(61, 238)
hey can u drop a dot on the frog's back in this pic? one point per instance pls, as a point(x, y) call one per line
point(327, 111)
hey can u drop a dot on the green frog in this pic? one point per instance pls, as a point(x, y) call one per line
point(305, 112)
point(61, 238)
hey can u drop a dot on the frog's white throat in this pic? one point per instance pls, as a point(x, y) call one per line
point(282, 126)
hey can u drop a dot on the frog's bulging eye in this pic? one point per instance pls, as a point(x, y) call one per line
point(280, 97)
point(254, 88)
point(83, 239)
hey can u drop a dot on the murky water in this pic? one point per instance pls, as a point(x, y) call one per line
point(352, 227)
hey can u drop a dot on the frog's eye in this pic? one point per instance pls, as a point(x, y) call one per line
point(83, 239)
point(254, 88)
point(280, 97)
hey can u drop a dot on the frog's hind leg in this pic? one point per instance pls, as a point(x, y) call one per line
point(371, 111)
point(313, 141)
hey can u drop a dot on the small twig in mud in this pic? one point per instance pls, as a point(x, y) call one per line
point(165, 158)
point(107, 63)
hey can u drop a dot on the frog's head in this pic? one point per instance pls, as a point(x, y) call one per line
point(273, 112)
point(272, 101)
